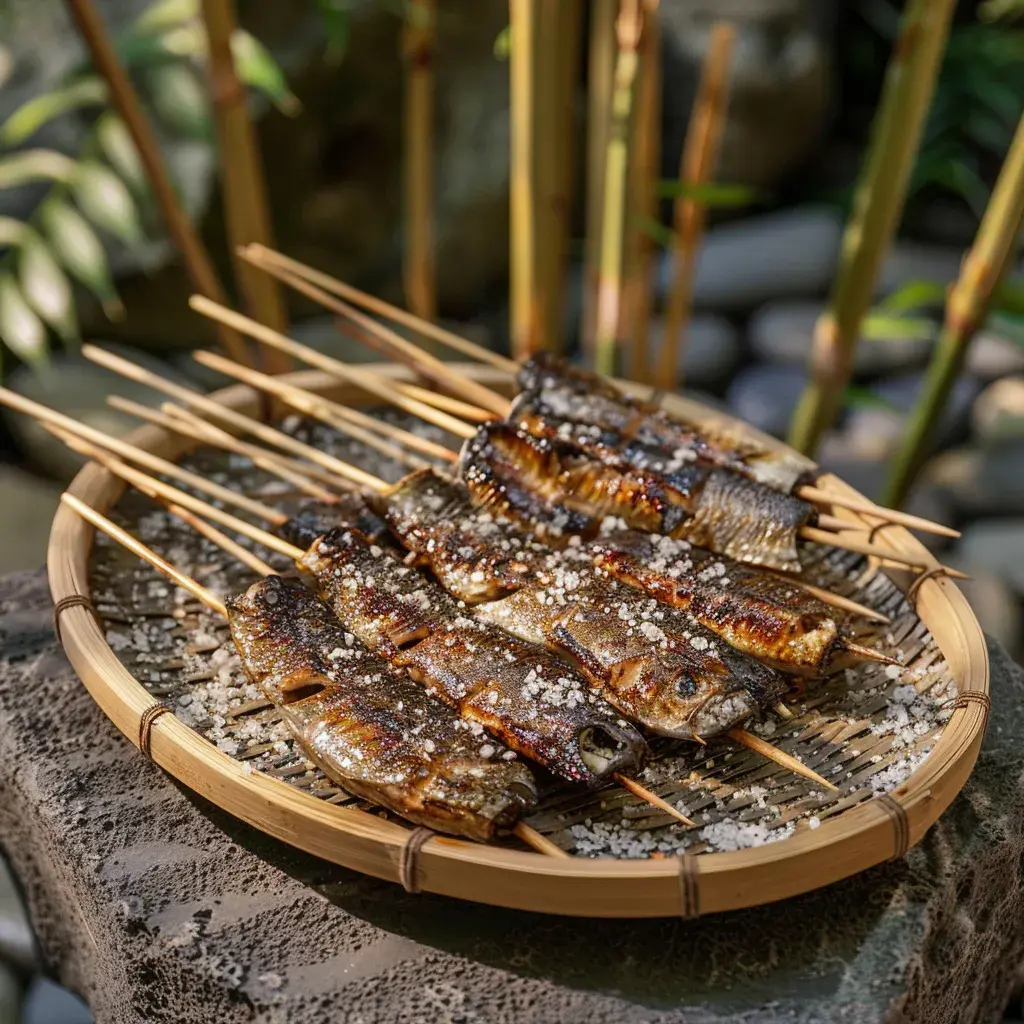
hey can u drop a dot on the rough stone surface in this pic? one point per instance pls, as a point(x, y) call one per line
point(26, 511)
point(157, 907)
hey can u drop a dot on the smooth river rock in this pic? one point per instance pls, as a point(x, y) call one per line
point(156, 907)
point(777, 255)
point(766, 396)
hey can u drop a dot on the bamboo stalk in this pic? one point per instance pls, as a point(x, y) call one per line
point(639, 299)
point(558, 24)
point(967, 307)
point(184, 236)
point(419, 269)
point(244, 189)
point(609, 290)
point(261, 256)
point(698, 162)
point(600, 79)
point(878, 201)
point(524, 307)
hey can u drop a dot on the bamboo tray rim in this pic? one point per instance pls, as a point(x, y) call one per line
point(854, 840)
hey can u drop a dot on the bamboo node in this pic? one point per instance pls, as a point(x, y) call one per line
point(408, 859)
point(72, 601)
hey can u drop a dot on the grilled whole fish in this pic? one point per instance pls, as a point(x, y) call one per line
point(558, 390)
point(521, 693)
point(712, 508)
point(652, 662)
point(768, 618)
point(315, 518)
point(378, 735)
point(435, 521)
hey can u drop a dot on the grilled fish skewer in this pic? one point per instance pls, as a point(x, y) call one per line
point(357, 720)
point(239, 524)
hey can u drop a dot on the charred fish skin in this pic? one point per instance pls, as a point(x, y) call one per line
point(385, 603)
point(316, 518)
point(381, 737)
point(770, 619)
point(650, 661)
point(723, 445)
point(531, 701)
point(433, 519)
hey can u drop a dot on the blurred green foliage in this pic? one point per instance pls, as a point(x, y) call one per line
point(101, 192)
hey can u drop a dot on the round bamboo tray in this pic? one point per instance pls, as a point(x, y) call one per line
point(859, 837)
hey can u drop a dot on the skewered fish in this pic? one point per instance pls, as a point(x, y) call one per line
point(713, 508)
point(561, 394)
point(765, 617)
point(378, 735)
point(530, 699)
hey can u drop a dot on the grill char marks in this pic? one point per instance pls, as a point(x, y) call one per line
point(767, 618)
point(723, 511)
point(317, 517)
point(379, 735)
point(652, 662)
point(521, 693)
point(435, 521)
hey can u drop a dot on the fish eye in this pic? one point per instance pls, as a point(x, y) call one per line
point(686, 685)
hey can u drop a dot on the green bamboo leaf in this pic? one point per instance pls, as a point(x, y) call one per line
point(1007, 326)
point(11, 232)
point(46, 288)
point(163, 15)
point(21, 330)
point(256, 68)
point(914, 295)
point(78, 248)
point(35, 165)
point(880, 327)
point(711, 194)
point(179, 100)
point(860, 398)
point(103, 197)
point(1009, 298)
point(31, 116)
point(503, 43)
point(115, 143)
point(654, 229)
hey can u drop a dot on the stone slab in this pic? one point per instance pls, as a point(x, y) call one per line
point(157, 907)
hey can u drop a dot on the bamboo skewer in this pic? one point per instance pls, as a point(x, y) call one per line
point(465, 411)
point(880, 512)
point(201, 526)
point(207, 433)
point(312, 405)
point(383, 339)
point(244, 189)
point(361, 378)
point(262, 256)
point(349, 421)
point(186, 240)
point(157, 489)
point(153, 463)
point(698, 162)
point(780, 757)
point(269, 435)
point(528, 835)
point(136, 547)
point(171, 495)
